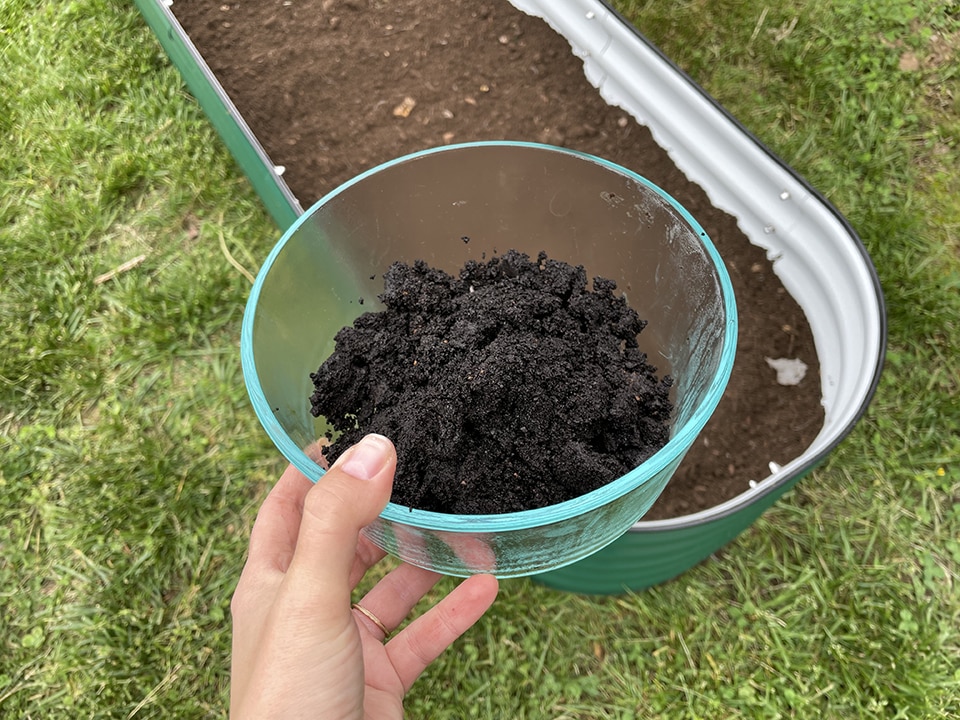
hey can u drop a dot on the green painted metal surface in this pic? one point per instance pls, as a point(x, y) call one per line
point(253, 161)
point(640, 559)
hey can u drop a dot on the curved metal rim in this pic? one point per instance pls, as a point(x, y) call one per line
point(751, 497)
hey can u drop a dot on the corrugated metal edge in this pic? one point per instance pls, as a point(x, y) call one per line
point(815, 250)
point(253, 160)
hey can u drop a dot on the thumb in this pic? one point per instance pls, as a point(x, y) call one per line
point(349, 496)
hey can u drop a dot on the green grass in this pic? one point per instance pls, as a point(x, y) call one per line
point(131, 465)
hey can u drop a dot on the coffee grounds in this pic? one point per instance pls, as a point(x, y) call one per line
point(511, 387)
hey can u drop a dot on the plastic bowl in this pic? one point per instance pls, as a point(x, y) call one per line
point(326, 269)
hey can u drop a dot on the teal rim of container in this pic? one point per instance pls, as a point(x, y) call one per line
point(682, 438)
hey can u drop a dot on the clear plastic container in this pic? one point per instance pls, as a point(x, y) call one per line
point(500, 195)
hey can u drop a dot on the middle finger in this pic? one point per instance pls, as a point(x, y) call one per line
point(392, 599)
point(367, 556)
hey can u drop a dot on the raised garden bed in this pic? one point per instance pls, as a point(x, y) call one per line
point(321, 91)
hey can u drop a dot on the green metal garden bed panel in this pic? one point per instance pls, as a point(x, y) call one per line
point(236, 134)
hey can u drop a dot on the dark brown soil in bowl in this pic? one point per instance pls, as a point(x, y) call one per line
point(334, 87)
point(514, 385)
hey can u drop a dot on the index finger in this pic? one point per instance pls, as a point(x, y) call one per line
point(273, 538)
point(274, 535)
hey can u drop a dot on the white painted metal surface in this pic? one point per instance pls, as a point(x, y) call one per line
point(816, 254)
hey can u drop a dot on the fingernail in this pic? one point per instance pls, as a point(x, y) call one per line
point(365, 459)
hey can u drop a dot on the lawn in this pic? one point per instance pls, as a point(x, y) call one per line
point(131, 465)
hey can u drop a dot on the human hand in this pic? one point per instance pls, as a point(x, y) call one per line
point(299, 650)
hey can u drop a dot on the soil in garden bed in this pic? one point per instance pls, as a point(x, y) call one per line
point(334, 87)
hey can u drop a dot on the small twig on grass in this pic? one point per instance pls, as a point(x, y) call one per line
point(119, 270)
point(756, 29)
point(158, 132)
point(230, 258)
